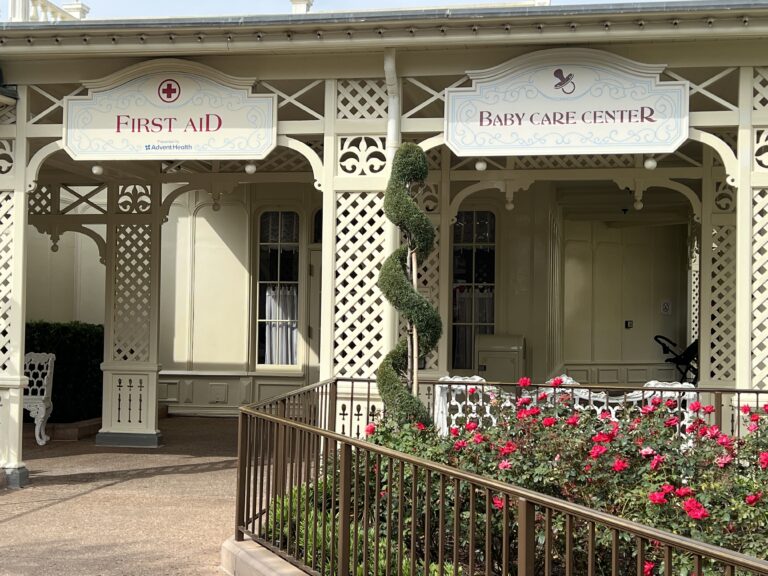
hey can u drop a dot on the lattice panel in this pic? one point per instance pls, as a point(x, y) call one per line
point(39, 200)
point(359, 308)
point(361, 100)
point(759, 286)
point(706, 93)
point(6, 277)
point(695, 280)
point(429, 287)
point(581, 161)
point(362, 155)
point(435, 158)
point(723, 303)
point(132, 288)
point(760, 89)
point(8, 114)
point(284, 160)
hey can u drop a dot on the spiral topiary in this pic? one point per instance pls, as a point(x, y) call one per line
point(408, 167)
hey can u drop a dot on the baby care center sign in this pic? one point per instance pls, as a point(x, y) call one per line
point(170, 115)
point(567, 101)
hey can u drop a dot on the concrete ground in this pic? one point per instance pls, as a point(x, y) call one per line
point(96, 511)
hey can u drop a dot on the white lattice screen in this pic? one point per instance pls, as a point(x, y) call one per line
point(723, 303)
point(359, 306)
point(759, 286)
point(6, 276)
point(132, 293)
point(361, 100)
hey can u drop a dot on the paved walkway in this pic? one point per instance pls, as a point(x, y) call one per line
point(94, 511)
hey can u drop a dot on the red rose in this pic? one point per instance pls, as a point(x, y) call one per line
point(602, 437)
point(657, 498)
point(524, 381)
point(498, 502)
point(478, 438)
point(752, 499)
point(671, 404)
point(695, 406)
point(648, 568)
point(508, 448)
point(542, 397)
point(683, 492)
point(657, 461)
point(765, 408)
point(620, 464)
point(597, 451)
point(420, 426)
point(524, 401)
point(472, 390)
point(647, 409)
point(548, 421)
point(459, 445)
point(672, 422)
point(370, 429)
point(666, 488)
point(745, 409)
point(656, 401)
point(556, 382)
point(755, 417)
point(471, 425)
point(572, 420)
point(695, 509)
point(454, 431)
point(763, 460)
point(708, 409)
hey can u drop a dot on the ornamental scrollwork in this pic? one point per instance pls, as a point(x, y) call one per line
point(134, 199)
point(725, 197)
point(6, 156)
point(362, 155)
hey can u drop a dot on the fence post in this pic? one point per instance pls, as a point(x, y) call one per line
point(719, 410)
point(242, 455)
point(332, 396)
point(280, 463)
point(345, 508)
point(526, 535)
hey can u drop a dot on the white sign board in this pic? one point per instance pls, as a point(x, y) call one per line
point(567, 101)
point(170, 115)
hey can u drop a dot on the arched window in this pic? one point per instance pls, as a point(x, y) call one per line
point(473, 283)
point(278, 288)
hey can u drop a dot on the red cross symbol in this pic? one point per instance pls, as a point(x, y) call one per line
point(169, 91)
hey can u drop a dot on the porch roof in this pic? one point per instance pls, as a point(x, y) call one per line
point(637, 21)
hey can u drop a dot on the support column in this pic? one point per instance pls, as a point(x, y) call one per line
point(130, 368)
point(13, 233)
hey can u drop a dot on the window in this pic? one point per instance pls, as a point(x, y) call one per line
point(473, 283)
point(278, 288)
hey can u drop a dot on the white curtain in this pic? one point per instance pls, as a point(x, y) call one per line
point(281, 304)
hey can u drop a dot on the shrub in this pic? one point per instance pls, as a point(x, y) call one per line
point(77, 377)
point(409, 167)
point(645, 466)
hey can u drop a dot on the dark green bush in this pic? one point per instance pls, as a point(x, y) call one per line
point(77, 381)
point(409, 168)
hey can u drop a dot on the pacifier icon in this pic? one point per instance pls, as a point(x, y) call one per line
point(564, 82)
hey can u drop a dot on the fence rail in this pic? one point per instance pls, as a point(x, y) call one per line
point(310, 490)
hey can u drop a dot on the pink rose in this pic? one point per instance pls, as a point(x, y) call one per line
point(657, 498)
point(597, 451)
point(695, 406)
point(683, 492)
point(505, 465)
point(752, 499)
point(454, 431)
point(620, 464)
point(524, 381)
point(657, 461)
point(647, 452)
point(762, 460)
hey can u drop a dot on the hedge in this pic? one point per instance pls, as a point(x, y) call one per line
point(77, 380)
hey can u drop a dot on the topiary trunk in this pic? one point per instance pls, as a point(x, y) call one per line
point(409, 167)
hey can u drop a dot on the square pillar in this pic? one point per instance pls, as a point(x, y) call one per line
point(13, 225)
point(130, 368)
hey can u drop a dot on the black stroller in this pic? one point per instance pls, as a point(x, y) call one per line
point(686, 362)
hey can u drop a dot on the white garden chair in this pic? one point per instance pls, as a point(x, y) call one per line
point(38, 368)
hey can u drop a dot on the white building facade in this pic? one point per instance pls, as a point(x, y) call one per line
point(212, 191)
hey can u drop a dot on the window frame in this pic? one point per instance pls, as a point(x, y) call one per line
point(452, 284)
point(299, 367)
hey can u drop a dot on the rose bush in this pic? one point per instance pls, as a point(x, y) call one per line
point(645, 466)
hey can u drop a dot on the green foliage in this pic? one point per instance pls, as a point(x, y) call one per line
point(543, 445)
point(77, 377)
point(409, 168)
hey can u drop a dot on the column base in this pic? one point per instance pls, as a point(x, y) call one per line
point(127, 440)
point(14, 477)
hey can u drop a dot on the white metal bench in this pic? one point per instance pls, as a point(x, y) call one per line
point(38, 368)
